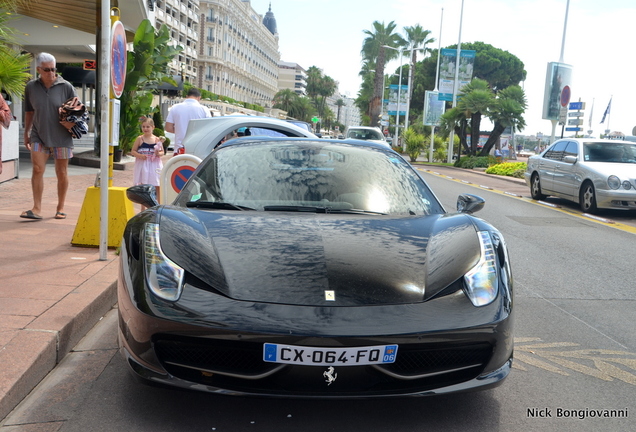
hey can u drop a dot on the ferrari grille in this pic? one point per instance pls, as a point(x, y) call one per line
point(247, 358)
point(232, 358)
point(426, 361)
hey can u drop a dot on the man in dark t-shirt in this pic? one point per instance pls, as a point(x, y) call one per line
point(45, 135)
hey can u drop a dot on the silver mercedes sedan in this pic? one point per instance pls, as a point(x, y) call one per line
point(596, 173)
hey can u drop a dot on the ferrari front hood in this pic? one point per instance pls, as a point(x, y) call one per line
point(320, 259)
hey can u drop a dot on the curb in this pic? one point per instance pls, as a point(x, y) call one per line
point(88, 159)
point(472, 171)
point(44, 343)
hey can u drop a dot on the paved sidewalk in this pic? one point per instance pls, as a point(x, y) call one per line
point(51, 293)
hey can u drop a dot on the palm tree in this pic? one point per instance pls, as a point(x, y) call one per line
point(14, 66)
point(507, 111)
point(363, 99)
point(455, 120)
point(327, 119)
point(319, 88)
point(339, 103)
point(314, 76)
point(285, 100)
point(303, 109)
point(476, 98)
point(417, 39)
point(374, 51)
point(328, 87)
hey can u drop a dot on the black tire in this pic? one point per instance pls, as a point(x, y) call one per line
point(535, 187)
point(587, 198)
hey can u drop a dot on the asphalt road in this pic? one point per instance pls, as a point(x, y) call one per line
point(575, 352)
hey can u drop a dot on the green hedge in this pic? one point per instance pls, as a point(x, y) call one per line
point(510, 169)
point(475, 162)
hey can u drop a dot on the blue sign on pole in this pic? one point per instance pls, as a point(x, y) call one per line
point(395, 91)
point(447, 71)
point(573, 129)
point(577, 105)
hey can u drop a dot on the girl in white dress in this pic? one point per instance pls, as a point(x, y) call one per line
point(147, 151)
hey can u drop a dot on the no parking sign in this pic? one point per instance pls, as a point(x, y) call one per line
point(118, 58)
point(180, 176)
point(175, 174)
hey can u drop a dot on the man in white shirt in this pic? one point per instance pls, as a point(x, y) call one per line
point(180, 115)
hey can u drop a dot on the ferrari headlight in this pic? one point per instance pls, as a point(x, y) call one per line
point(480, 283)
point(163, 276)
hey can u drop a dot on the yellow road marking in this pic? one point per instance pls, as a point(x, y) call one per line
point(606, 365)
point(537, 363)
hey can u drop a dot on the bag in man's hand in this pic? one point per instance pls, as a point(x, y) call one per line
point(74, 111)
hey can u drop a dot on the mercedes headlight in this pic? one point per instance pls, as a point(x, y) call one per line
point(481, 282)
point(613, 182)
point(163, 276)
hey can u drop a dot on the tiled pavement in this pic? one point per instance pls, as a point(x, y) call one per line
point(51, 293)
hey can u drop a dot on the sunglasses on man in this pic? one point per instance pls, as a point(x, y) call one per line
point(48, 69)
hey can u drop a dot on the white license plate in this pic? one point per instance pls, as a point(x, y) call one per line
point(313, 356)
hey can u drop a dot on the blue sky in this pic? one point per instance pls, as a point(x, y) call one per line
point(599, 44)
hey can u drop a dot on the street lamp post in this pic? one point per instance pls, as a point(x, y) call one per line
point(409, 87)
point(383, 90)
point(449, 156)
point(397, 114)
point(439, 51)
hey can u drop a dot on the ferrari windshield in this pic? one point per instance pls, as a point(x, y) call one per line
point(325, 177)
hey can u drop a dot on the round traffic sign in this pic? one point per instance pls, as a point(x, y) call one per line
point(565, 96)
point(118, 58)
point(180, 176)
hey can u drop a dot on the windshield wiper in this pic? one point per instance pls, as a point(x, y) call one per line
point(217, 205)
point(314, 209)
point(355, 211)
point(296, 208)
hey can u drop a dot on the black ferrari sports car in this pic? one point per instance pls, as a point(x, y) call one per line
point(304, 267)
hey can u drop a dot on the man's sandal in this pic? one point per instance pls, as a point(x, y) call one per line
point(28, 214)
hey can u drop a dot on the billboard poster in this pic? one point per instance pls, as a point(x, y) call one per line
point(447, 71)
point(433, 108)
point(558, 76)
point(392, 106)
